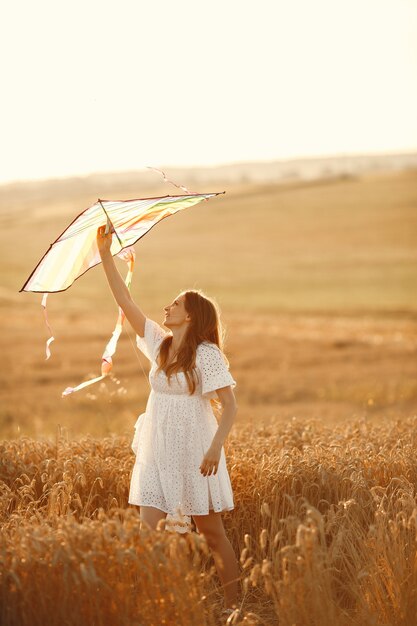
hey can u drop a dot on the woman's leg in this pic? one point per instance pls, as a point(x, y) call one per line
point(211, 526)
point(150, 515)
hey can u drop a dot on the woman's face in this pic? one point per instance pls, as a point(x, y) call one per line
point(175, 313)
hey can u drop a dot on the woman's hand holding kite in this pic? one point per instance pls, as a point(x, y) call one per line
point(103, 240)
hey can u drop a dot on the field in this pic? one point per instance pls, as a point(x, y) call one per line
point(316, 282)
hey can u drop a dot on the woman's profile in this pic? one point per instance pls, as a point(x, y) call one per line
point(180, 461)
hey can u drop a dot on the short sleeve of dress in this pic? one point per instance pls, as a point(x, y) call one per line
point(153, 336)
point(214, 371)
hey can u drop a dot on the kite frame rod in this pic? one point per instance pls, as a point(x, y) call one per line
point(114, 230)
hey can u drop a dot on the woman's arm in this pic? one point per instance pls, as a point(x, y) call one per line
point(120, 292)
point(210, 463)
point(228, 401)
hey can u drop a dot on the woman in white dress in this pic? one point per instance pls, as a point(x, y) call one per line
point(180, 466)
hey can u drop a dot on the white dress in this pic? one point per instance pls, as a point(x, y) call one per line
point(173, 435)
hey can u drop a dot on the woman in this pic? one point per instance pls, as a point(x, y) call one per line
point(180, 461)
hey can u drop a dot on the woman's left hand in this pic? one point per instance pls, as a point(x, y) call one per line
point(103, 240)
point(211, 461)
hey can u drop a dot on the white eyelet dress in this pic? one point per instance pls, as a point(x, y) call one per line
point(173, 435)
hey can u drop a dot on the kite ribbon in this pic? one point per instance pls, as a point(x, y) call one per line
point(51, 338)
point(167, 180)
point(128, 255)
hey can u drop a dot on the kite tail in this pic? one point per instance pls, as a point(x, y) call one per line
point(128, 255)
point(51, 338)
point(167, 180)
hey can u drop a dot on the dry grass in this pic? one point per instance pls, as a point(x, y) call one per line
point(316, 283)
point(325, 525)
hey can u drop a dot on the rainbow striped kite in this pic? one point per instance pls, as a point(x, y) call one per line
point(75, 251)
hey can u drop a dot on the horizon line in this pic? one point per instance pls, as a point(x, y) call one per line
point(224, 164)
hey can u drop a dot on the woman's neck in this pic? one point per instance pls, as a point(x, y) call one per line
point(178, 335)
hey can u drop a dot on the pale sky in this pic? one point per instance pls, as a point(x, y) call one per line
point(104, 85)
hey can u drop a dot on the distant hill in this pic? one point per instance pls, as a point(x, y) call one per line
point(128, 184)
point(298, 169)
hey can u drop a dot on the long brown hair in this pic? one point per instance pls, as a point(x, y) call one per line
point(205, 325)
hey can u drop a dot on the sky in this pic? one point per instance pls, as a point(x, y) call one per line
point(100, 85)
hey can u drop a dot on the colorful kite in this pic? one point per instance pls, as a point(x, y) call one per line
point(75, 251)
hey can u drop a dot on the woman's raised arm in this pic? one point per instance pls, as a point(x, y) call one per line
point(121, 293)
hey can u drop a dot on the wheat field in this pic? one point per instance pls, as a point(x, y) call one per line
point(325, 525)
point(316, 283)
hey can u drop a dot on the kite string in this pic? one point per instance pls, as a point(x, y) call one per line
point(167, 180)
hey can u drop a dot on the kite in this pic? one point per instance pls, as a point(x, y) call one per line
point(75, 252)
